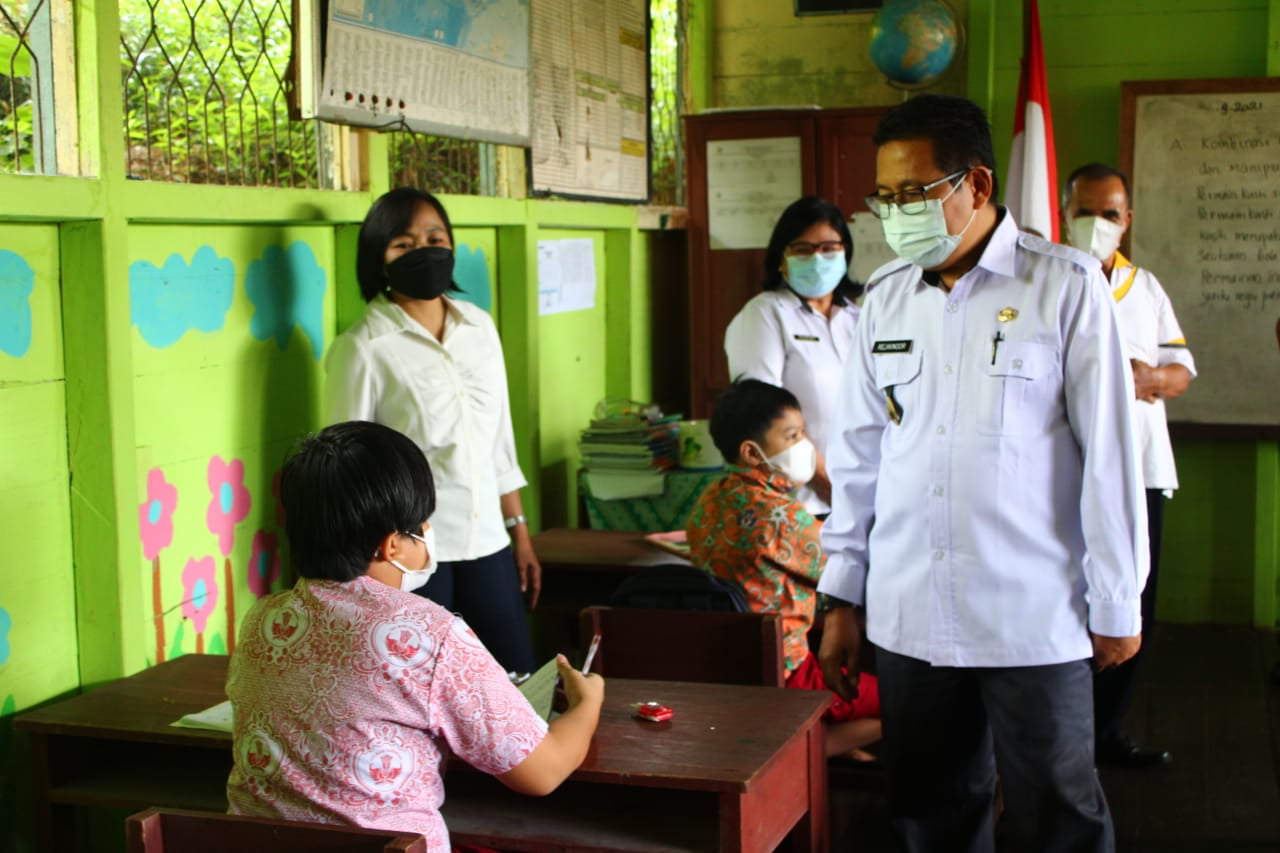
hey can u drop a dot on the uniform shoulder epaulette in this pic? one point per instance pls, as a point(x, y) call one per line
point(1041, 246)
point(885, 270)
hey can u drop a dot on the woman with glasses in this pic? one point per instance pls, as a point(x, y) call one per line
point(430, 366)
point(799, 331)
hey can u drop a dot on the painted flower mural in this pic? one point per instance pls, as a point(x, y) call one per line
point(200, 589)
point(155, 526)
point(228, 505)
point(264, 563)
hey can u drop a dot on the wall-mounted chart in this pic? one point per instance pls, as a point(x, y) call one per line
point(434, 66)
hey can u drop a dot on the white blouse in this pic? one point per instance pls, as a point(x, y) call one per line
point(450, 397)
point(777, 338)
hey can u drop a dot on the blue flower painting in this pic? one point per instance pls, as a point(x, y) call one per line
point(6, 622)
point(166, 302)
point(286, 286)
point(17, 280)
point(471, 273)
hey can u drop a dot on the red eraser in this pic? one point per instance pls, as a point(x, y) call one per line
point(654, 712)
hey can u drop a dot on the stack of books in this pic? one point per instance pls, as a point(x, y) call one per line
point(626, 454)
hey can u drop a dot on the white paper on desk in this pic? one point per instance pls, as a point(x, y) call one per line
point(540, 688)
point(749, 183)
point(566, 275)
point(218, 718)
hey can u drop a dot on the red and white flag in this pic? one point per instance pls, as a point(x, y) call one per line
point(1032, 185)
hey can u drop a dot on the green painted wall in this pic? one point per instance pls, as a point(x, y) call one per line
point(572, 366)
point(39, 658)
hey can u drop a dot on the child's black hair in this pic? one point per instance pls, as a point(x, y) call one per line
point(744, 411)
point(344, 489)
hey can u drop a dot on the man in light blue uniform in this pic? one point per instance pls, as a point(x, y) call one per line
point(987, 504)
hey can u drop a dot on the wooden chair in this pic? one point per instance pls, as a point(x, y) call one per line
point(159, 830)
point(687, 645)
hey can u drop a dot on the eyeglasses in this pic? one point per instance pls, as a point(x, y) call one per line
point(912, 201)
point(805, 250)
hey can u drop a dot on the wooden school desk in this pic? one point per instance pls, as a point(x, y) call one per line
point(581, 568)
point(738, 768)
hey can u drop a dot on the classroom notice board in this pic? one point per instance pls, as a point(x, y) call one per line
point(433, 66)
point(590, 99)
point(1204, 156)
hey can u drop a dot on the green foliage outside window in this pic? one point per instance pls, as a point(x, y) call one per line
point(664, 106)
point(17, 109)
point(205, 93)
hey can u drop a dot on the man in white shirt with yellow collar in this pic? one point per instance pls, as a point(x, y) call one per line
point(1096, 212)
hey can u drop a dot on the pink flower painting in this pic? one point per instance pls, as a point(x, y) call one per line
point(155, 514)
point(155, 526)
point(200, 587)
point(264, 563)
point(229, 501)
point(228, 505)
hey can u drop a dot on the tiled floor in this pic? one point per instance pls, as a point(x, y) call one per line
point(1205, 695)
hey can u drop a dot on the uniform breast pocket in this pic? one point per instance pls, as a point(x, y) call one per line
point(1020, 390)
point(897, 376)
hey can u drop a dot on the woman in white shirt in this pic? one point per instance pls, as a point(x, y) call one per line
point(431, 367)
point(799, 331)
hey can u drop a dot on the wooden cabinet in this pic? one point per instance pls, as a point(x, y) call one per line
point(837, 162)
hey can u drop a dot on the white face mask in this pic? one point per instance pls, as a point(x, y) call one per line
point(411, 579)
point(1095, 235)
point(922, 238)
point(816, 275)
point(797, 463)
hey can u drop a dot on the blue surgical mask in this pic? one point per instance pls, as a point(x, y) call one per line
point(922, 238)
point(816, 275)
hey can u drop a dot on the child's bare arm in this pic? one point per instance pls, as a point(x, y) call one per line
point(568, 736)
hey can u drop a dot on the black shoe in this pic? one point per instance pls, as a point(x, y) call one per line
point(1123, 752)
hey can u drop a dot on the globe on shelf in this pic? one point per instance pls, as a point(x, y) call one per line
point(914, 41)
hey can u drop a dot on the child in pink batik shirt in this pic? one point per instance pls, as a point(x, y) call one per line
point(350, 692)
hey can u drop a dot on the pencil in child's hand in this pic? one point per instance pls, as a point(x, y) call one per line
point(591, 654)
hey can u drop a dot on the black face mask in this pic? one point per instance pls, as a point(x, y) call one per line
point(422, 273)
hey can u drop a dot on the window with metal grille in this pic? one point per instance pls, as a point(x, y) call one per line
point(32, 34)
point(206, 96)
point(439, 164)
point(665, 102)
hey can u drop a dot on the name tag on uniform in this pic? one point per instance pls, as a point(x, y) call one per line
point(891, 346)
point(813, 338)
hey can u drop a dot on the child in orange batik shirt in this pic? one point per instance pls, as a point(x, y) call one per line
point(749, 527)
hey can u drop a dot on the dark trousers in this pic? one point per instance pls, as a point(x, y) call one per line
point(1113, 688)
point(948, 730)
point(486, 593)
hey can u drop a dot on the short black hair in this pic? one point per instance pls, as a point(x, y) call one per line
point(799, 216)
point(344, 489)
point(956, 127)
point(388, 218)
point(1095, 172)
point(744, 411)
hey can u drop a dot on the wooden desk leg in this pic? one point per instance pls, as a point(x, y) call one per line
point(812, 833)
point(55, 825)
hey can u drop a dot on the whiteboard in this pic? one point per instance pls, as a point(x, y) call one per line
point(1206, 200)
